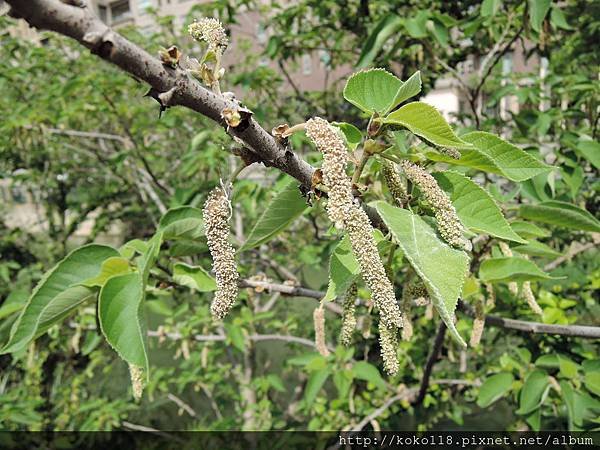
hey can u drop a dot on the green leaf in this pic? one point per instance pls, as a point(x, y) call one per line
point(372, 90)
point(120, 311)
point(427, 253)
point(15, 301)
point(363, 370)
point(384, 29)
point(591, 151)
point(537, 12)
point(194, 277)
point(560, 214)
point(528, 230)
point(426, 122)
point(548, 361)
point(536, 248)
point(533, 392)
point(184, 222)
point(417, 26)
point(115, 265)
point(343, 270)
point(507, 269)
point(490, 7)
point(351, 133)
point(236, 336)
point(408, 89)
point(494, 388)
point(315, 383)
point(58, 294)
point(592, 376)
point(568, 368)
point(558, 20)
point(343, 381)
point(494, 155)
point(281, 211)
point(475, 207)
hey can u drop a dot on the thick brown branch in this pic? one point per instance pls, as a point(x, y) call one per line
point(171, 86)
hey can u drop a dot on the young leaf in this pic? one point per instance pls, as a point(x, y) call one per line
point(533, 391)
point(517, 269)
point(528, 230)
point(537, 12)
point(115, 265)
point(427, 253)
point(536, 248)
point(408, 89)
point(426, 122)
point(385, 28)
point(475, 207)
point(315, 383)
point(494, 388)
point(194, 277)
point(286, 206)
point(184, 222)
point(362, 370)
point(560, 214)
point(372, 91)
point(494, 155)
point(351, 133)
point(58, 294)
point(120, 311)
point(343, 270)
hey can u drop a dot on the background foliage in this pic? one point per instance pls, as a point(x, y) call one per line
point(144, 166)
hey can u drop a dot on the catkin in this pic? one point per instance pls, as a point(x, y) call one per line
point(137, 380)
point(349, 316)
point(216, 217)
point(211, 31)
point(528, 294)
point(412, 291)
point(513, 287)
point(343, 212)
point(478, 323)
point(319, 323)
point(491, 295)
point(388, 341)
point(449, 225)
point(394, 183)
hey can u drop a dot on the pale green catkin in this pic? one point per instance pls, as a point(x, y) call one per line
point(411, 292)
point(528, 295)
point(513, 287)
point(349, 315)
point(394, 183)
point(345, 214)
point(216, 223)
point(491, 295)
point(319, 324)
point(388, 341)
point(137, 380)
point(449, 225)
point(478, 322)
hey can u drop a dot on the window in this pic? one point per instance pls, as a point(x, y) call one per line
point(120, 11)
point(306, 64)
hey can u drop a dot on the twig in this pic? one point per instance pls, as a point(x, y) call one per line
point(183, 405)
point(573, 251)
point(431, 360)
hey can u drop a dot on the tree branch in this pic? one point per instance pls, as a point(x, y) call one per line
point(431, 360)
point(171, 87)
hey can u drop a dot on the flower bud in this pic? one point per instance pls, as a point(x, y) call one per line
point(211, 31)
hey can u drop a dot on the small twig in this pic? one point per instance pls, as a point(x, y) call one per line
point(431, 360)
point(573, 251)
point(183, 405)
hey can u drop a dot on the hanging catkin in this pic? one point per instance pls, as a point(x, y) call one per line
point(319, 324)
point(349, 315)
point(344, 213)
point(478, 322)
point(216, 223)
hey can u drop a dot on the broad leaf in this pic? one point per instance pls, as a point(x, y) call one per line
point(384, 29)
point(537, 12)
point(591, 151)
point(475, 207)
point(536, 248)
point(281, 211)
point(533, 391)
point(343, 269)
point(592, 376)
point(560, 214)
point(517, 269)
point(184, 222)
point(351, 133)
point(194, 277)
point(363, 370)
point(120, 311)
point(408, 89)
point(528, 230)
point(115, 265)
point(494, 155)
point(427, 254)
point(494, 388)
point(315, 383)
point(58, 294)
point(426, 122)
